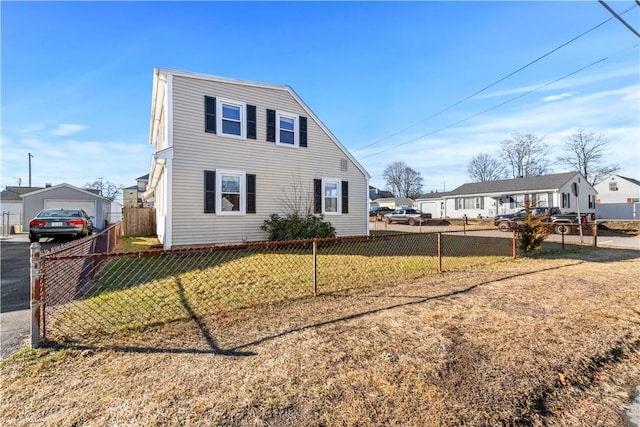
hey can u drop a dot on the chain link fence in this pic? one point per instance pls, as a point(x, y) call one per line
point(84, 292)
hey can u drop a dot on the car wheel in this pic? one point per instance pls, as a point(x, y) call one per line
point(563, 229)
point(387, 220)
point(33, 239)
point(412, 221)
point(504, 226)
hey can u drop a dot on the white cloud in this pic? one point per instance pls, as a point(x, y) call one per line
point(65, 129)
point(558, 97)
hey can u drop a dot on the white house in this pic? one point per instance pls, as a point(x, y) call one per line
point(229, 153)
point(618, 198)
point(490, 198)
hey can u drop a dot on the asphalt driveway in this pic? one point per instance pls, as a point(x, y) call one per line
point(14, 292)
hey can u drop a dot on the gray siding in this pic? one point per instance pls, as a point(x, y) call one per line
point(277, 168)
point(34, 203)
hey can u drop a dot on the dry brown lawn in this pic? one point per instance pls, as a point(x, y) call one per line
point(536, 341)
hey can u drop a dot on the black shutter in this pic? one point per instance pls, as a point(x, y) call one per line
point(345, 197)
point(251, 193)
point(209, 192)
point(251, 122)
point(271, 125)
point(210, 114)
point(317, 196)
point(303, 131)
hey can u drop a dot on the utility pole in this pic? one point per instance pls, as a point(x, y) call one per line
point(30, 156)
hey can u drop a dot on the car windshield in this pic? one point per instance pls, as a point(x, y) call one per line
point(59, 213)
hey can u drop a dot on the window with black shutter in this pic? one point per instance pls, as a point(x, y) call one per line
point(251, 193)
point(210, 114)
point(345, 197)
point(251, 122)
point(317, 196)
point(271, 125)
point(209, 192)
point(303, 131)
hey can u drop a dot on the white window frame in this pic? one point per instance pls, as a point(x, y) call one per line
point(296, 129)
point(338, 183)
point(242, 193)
point(219, 117)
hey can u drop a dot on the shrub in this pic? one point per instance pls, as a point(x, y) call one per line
point(294, 227)
point(532, 233)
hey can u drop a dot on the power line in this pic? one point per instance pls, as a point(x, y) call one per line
point(619, 18)
point(488, 109)
point(492, 84)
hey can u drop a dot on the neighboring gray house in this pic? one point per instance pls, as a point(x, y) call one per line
point(618, 198)
point(230, 153)
point(11, 205)
point(66, 196)
point(487, 199)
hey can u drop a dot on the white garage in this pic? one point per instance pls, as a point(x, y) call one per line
point(89, 206)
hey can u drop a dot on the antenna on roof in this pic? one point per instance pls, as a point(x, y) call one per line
point(19, 181)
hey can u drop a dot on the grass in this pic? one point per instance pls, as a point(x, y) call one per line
point(136, 244)
point(131, 292)
point(551, 340)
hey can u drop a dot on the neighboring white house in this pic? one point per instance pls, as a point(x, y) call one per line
point(66, 196)
point(11, 206)
point(618, 198)
point(490, 198)
point(230, 153)
point(393, 202)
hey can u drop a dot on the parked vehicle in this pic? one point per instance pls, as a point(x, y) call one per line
point(407, 216)
point(60, 222)
point(379, 211)
point(523, 212)
point(561, 222)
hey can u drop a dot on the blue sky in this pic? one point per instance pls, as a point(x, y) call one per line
point(76, 78)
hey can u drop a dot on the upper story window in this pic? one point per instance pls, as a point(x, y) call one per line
point(229, 118)
point(286, 129)
point(287, 132)
point(613, 186)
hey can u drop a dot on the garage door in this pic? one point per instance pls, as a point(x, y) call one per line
point(89, 206)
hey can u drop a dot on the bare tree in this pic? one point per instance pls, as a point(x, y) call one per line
point(585, 152)
point(484, 168)
point(296, 199)
point(525, 155)
point(107, 188)
point(402, 180)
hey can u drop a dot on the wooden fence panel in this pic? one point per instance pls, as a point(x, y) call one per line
point(140, 222)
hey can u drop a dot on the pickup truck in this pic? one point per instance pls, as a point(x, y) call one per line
point(507, 222)
point(407, 216)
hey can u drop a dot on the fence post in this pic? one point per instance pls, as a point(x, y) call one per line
point(315, 268)
point(595, 235)
point(514, 244)
point(439, 252)
point(37, 305)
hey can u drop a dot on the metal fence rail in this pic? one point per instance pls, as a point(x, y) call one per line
point(83, 294)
